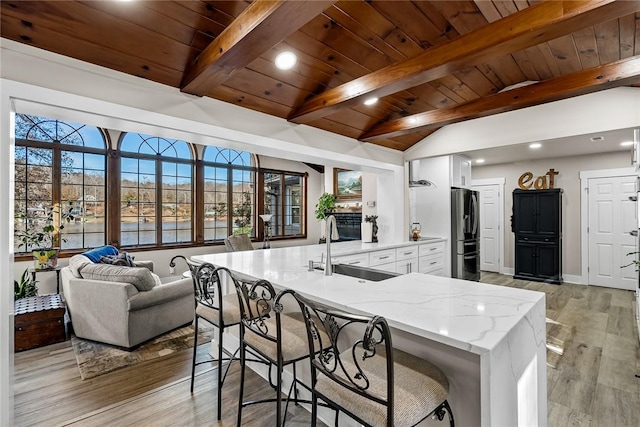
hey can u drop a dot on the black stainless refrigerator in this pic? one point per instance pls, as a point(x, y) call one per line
point(465, 234)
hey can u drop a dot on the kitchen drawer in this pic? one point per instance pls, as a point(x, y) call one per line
point(430, 249)
point(429, 263)
point(361, 260)
point(406, 253)
point(391, 266)
point(407, 266)
point(382, 257)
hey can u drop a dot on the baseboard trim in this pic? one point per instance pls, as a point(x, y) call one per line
point(567, 278)
point(575, 279)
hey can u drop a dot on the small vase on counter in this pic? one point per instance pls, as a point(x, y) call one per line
point(373, 220)
point(366, 232)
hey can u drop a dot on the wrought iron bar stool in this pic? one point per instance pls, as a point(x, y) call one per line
point(217, 309)
point(357, 371)
point(277, 336)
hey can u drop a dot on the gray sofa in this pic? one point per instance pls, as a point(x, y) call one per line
point(124, 306)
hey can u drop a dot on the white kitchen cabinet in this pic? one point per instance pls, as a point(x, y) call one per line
point(460, 171)
point(390, 267)
point(386, 256)
point(407, 266)
point(431, 259)
point(361, 259)
point(407, 260)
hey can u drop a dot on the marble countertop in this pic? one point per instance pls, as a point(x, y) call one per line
point(471, 316)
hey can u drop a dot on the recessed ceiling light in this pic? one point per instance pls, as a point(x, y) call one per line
point(626, 143)
point(480, 161)
point(535, 145)
point(413, 120)
point(371, 101)
point(286, 60)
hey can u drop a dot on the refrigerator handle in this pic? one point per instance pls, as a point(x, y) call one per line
point(475, 214)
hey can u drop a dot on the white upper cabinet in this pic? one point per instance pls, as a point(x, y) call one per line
point(460, 171)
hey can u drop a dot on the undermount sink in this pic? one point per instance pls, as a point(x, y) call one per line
point(361, 272)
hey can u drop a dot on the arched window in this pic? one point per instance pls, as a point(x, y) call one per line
point(156, 191)
point(60, 164)
point(229, 193)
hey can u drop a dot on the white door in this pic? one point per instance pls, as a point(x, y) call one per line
point(490, 229)
point(612, 215)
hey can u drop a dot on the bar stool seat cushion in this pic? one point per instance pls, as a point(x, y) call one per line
point(419, 388)
point(230, 311)
point(294, 338)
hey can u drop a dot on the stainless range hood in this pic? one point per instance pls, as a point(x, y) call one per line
point(414, 176)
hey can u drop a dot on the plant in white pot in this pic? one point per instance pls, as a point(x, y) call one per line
point(38, 231)
point(326, 204)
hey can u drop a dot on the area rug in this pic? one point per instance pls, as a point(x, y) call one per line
point(96, 359)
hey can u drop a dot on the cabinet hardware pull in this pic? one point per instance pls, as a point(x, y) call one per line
point(384, 257)
point(354, 262)
point(408, 253)
point(434, 262)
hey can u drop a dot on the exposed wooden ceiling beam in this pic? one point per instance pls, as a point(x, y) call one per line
point(260, 27)
point(620, 73)
point(537, 24)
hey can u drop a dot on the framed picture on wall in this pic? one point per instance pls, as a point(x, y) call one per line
point(347, 184)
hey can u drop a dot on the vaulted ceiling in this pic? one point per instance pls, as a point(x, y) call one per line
point(430, 63)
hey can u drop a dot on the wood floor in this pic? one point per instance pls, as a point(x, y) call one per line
point(591, 383)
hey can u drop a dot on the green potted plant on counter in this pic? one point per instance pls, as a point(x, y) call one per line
point(39, 230)
point(326, 204)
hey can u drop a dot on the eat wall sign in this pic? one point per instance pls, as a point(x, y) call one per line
point(543, 182)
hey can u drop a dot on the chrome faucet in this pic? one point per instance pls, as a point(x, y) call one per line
point(331, 221)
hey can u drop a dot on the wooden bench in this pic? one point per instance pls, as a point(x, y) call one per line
point(38, 321)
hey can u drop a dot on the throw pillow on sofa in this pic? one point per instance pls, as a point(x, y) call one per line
point(122, 258)
point(139, 277)
point(95, 254)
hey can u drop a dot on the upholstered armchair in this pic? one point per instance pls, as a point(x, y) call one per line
point(124, 306)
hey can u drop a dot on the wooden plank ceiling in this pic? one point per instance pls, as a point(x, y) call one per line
point(430, 63)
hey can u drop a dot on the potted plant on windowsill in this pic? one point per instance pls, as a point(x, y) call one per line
point(326, 204)
point(38, 231)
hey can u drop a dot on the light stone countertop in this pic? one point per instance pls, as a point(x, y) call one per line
point(488, 340)
point(470, 316)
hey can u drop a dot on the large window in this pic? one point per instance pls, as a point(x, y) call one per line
point(229, 193)
point(60, 164)
point(283, 199)
point(161, 189)
point(156, 191)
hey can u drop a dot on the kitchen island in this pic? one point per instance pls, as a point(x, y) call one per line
point(489, 340)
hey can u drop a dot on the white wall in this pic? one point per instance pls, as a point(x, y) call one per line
point(568, 179)
point(612, 109)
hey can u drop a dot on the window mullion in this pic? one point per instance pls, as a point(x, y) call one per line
point(56, 190)
point(197, 202)
point(229, 201)
point(158, 204)
point(283, 202)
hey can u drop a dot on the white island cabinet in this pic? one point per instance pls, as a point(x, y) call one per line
point(488, 340)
